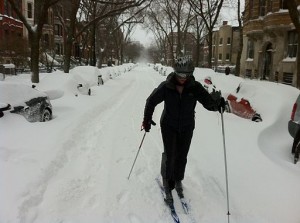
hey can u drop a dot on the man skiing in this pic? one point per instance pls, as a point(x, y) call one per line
point(180, 93)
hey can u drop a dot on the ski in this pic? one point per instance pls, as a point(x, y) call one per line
point(186, 206)
point(170, 206)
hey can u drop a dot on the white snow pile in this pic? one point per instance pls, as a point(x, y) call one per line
point(74, 168)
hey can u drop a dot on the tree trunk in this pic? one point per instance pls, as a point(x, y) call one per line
point(210, 34)
point(239, 55)
point(35, 56)
point(198, 49)
point(67, 56)
point(70, 35)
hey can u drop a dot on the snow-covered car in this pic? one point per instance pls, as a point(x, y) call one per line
point(242, 108)
point(294, 128)
point(34, 105)
point(235, 104)
point(2, 76)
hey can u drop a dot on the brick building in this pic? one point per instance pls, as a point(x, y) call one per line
point(11, 31)
point(225, 45)
point(270, 42)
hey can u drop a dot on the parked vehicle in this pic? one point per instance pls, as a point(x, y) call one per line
point(238, 106)
point(242, 108)
point(294, 129)
point(34, 105)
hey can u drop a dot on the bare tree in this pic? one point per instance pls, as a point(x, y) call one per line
point(198, 27)
point(35, 31)
point(236, 5)
point(169, 21)
point(128, 22)
point(239, 55)
point(209, 11)
point(97, 11)
point(293, 6)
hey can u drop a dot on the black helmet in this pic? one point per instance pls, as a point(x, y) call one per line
point(184, 65)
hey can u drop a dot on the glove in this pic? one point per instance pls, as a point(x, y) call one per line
point(216, 95)
point(146, 125)
point(221, 105)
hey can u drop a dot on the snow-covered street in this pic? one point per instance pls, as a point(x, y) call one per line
point(74, 168)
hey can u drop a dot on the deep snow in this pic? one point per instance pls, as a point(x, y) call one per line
point(74, 168)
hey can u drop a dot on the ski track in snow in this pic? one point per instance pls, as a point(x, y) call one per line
point(98, 154)
point(83, 139)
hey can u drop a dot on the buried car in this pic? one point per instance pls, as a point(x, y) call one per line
point(242, 108)
point(294, 129)
point(235, 104)
point(34, 105)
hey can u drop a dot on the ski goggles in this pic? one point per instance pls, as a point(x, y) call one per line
point(182, 75)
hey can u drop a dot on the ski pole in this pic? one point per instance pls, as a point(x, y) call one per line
point(225, 161)
point(137, 155)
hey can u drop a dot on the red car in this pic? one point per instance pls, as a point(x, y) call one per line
point(239, 107)
point(242, 108)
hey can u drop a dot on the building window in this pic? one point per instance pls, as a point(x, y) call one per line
point(221, 41)
point(29, 10)
point(174, 48)
point(248, 73)
point(262, 7)
point(58, 49)
point(7, 8)
point(58, 30)
point(227, 56)
point(228, 40)
point(283, 4)
point(250, 49)
point(270, 5)
point(287, 78)
point(292, 44)
point(250, 9)
point(220, 56)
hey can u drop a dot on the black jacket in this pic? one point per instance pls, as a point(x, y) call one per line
point(179, 109)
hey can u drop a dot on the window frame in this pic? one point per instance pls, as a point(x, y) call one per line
point(292, 44)
point(30, 10)
point(250, 49)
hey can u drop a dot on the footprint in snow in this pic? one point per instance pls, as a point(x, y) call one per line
point(122, 197)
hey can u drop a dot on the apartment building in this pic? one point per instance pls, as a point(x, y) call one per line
point(11, 31)
point(270, 42)
point(225, 45)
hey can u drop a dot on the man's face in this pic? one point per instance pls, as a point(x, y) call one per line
point(181, 77)
point(181, 80)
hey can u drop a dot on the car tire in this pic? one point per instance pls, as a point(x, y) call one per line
point(46, 115)
point(227, 107)
point(257, 118)
point(296, 142)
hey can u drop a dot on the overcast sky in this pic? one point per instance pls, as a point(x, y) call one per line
point(227, 14)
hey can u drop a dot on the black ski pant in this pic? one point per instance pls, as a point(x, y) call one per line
point(174, 157)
